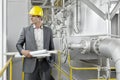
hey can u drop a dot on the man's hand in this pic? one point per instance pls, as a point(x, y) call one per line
point(26, 53)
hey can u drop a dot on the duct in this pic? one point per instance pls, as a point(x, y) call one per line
point(109, 47)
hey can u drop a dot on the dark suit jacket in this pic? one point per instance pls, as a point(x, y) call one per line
point(27, 38)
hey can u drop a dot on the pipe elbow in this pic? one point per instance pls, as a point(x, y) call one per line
point(110, 48)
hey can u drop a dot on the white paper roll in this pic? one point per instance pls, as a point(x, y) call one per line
point(38, 52)
point(52, 52)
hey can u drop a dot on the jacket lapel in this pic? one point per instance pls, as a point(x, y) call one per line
point(33, 37)
point(44, 36)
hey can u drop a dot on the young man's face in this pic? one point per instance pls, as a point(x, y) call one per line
point(35, 19)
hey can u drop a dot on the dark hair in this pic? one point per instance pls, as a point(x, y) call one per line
point(40, 17)
point(37, 16)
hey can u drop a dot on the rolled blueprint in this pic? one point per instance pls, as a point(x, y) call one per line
point(53, 52)
point(38, 52)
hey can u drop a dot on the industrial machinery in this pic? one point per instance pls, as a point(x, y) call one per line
point(86, 33)
point(84, 30)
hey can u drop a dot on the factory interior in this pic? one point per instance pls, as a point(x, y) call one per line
point(86, 36)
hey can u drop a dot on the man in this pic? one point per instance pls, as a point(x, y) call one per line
point(36, 37)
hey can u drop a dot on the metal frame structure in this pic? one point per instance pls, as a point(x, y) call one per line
point(95, 9)
point(116, 8)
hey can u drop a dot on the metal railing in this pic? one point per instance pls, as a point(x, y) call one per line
point(9, 62)
point(56, 65)
point(78, 68)
point(85, 68)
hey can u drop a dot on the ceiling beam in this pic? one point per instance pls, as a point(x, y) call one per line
point(95, 9)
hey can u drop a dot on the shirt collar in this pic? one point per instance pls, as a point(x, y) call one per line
point(35, 26)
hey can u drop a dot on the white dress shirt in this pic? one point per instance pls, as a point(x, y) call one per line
point(38, 32)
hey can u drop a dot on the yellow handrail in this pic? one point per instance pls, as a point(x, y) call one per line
point(81, 68)
point(103, 79)
point(62, 71)
point(57, 66)
point(59, 63)
point(11, 69)
point(5, 67)
point(22, 71)
point(78, 68)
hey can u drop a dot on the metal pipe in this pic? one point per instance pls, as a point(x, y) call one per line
point(98, 35)
point(77, 23)
point(108, 70)
point(78, 46)
point(63, 4)
point(108, 21)
point(52, 9)
point(109, 47)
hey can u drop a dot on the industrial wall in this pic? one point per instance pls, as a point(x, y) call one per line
point(17, 18)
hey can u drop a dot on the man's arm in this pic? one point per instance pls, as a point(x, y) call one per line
point(51, 47)
point(21, 41)
point(20, 45)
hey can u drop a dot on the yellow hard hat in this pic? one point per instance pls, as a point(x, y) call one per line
point(37, 11)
